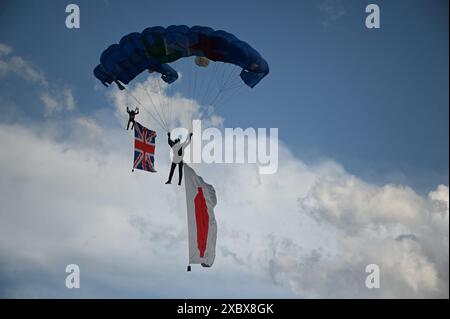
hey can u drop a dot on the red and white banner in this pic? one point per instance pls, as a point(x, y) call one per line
point(202, 228)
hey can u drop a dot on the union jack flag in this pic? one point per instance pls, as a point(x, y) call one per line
point(144, 148)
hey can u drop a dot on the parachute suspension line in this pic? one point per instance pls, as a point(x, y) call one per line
point(158, 122)
point(171, 109)
point(232, 78)
point(164, 105)
point(229, 95)
point(193, 91)
point(221, 84)
point(225, 69)
point(227, 81)
point(219, 78)
point(157, 105)
point(198, 86)
point(168, 103)
point(207, 91)
point(155, 108)
point(195, 83)
point(131, 94)
point(219, 81)
point(234, 82)
point(231, 87)
point(201, 89)
point(161, 107)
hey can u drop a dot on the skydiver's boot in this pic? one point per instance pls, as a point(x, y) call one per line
point(172, 169)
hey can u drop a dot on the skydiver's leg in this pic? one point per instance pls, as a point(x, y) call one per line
point(128, 125)
point(180, 172)
point(132, 126)
point(172, 169)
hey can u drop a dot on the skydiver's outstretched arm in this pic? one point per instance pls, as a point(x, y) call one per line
point(128, 110)
point(187, 141)
point(136, 111)
point(171, 143)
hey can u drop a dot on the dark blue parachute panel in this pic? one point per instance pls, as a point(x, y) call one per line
point(155, 47)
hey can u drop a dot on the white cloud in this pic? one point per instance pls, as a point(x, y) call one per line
point(50, 103)
point(308, 231)
point(332, 11)
point(58, 101)
point(69, 99)
point(3, 68)
point(391, 226)
point(54, 97)
point(5, 49)
point(24, 69)
point(17, 65)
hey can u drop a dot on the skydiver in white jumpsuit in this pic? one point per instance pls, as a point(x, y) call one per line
point(177, 152)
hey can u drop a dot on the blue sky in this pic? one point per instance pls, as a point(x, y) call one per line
point(375, 100)
point(362, 114)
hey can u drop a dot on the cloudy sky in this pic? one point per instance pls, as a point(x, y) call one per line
point(363, 156)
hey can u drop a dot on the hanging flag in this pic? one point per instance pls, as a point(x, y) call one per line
point(202, 228)
point(144, 148)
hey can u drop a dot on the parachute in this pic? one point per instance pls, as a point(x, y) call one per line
point(156, 49)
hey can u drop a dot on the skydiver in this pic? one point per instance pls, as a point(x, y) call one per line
point(177, 152)
point(131, 114)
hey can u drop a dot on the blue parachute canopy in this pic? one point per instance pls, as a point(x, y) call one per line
point(155, 47)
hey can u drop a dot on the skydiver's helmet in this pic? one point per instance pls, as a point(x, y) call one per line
point(201, 61)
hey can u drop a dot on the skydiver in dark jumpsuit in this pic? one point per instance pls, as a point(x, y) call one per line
point(131, 114)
